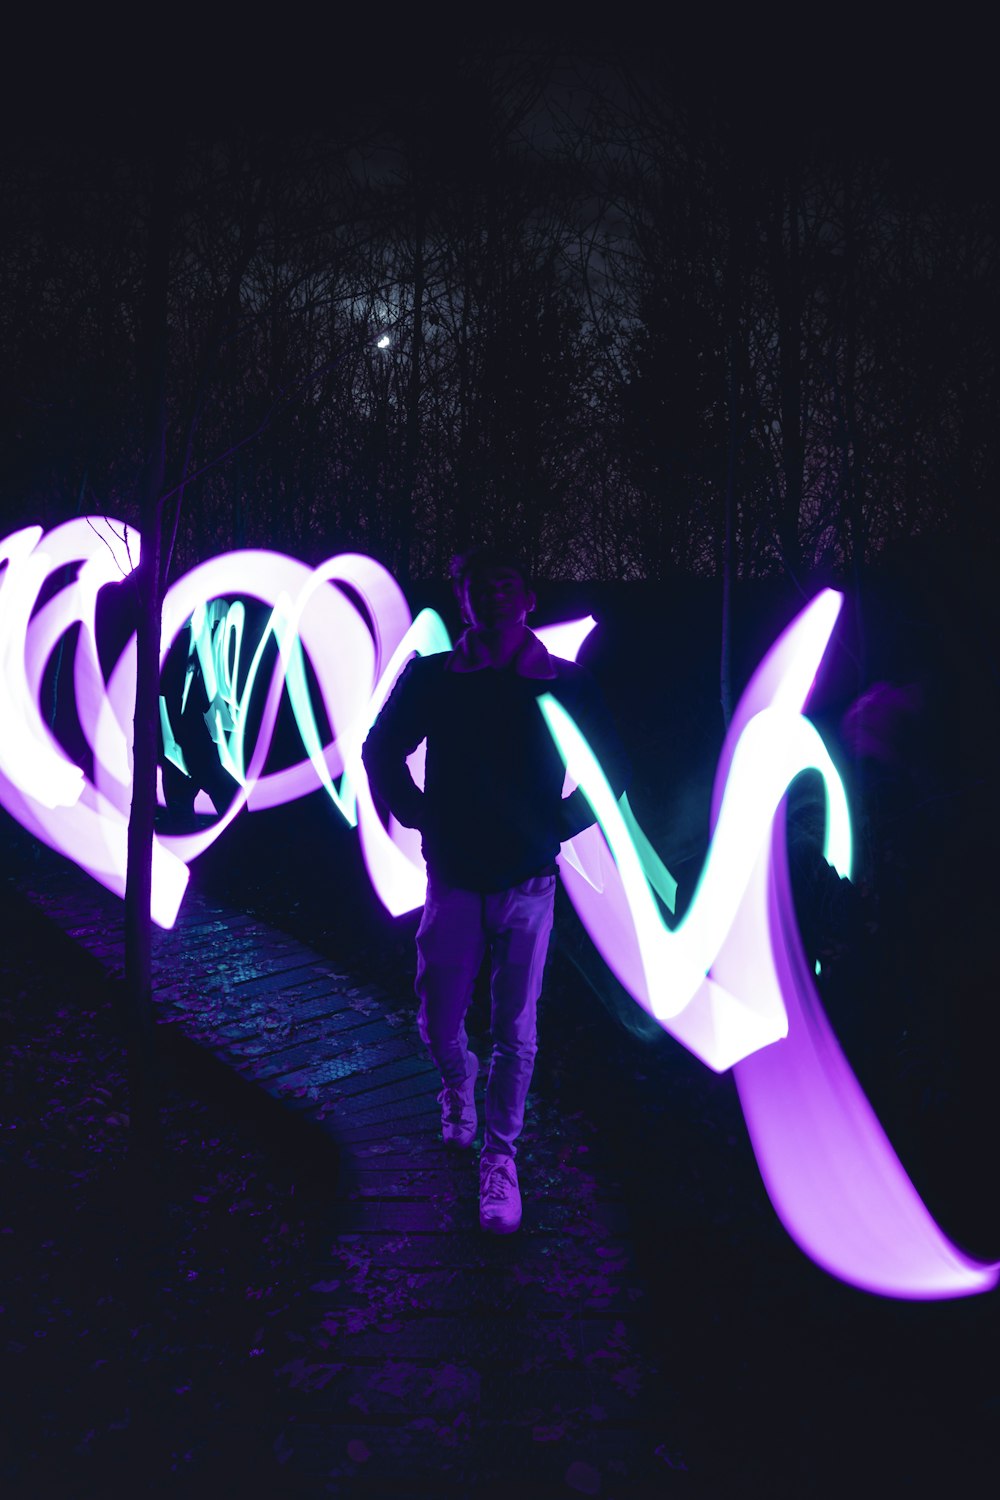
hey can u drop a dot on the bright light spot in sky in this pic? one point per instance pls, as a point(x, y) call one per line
point(384, 341)
point(729, 980)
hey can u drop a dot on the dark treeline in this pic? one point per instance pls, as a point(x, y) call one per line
point(629, 326)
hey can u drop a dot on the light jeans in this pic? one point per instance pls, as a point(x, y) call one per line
point(455, 931)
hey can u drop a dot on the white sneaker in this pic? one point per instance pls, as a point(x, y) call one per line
point(499, 1195)
point(458, 1109)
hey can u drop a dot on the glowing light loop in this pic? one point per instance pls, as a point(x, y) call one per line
point(729, 980)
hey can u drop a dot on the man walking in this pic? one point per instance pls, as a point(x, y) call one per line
point(492, 818)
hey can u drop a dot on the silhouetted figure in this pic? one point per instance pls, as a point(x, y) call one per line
point(492, 816)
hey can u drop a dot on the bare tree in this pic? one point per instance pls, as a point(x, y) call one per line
point(148, 584)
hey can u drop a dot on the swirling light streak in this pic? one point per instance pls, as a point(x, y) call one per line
point(666, 969)
point(91, 829)
point(730, 980)
point(307, 613)
point(720, 1006)
point(33, 761)
point(830, 1171)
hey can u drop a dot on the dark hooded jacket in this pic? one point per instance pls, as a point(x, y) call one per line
point(492, 812)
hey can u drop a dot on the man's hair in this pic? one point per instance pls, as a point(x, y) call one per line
point(466, 565)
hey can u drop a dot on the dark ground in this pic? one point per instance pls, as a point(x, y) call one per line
point(149, 1317)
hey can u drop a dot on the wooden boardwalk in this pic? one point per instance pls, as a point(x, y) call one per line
point(434, 1360)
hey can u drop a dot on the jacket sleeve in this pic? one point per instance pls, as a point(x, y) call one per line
point(594, 721)
point(396, 733)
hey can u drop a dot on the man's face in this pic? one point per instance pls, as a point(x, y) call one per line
point(496, 597)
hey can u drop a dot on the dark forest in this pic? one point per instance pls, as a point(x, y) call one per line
point(636, 316)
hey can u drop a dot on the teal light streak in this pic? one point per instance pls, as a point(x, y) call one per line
point(654, 869)
point(774, 746)
point(216, 643)
point(587, 772)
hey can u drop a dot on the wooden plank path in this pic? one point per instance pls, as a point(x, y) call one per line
point(432, 1359)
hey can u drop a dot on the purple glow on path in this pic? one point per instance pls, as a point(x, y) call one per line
point(834, 1179)
point(836, 1183)
point(742, 995)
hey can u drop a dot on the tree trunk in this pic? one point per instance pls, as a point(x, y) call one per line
point(786, 272)
point(407, 500)
point(729, 558)
point(143, 1089)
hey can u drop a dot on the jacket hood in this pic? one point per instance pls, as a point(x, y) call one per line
point(530, 660)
